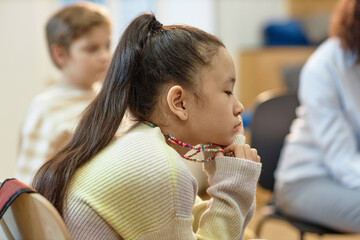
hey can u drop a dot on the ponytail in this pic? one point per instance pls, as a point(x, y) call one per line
point(147, 57)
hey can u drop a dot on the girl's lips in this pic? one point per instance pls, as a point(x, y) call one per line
point(237, 128)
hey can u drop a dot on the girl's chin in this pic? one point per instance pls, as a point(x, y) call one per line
point(223, 144)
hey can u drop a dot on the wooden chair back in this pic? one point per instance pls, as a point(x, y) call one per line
point(32, 216)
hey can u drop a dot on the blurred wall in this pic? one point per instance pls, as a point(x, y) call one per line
point(25, 67)
point(239, 22)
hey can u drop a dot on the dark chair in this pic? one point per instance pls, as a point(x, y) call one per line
point(273, 115)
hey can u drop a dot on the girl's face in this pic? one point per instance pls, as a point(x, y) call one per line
point(88, 57)
point(215, 118)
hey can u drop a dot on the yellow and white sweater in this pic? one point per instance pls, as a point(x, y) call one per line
point(140, 188)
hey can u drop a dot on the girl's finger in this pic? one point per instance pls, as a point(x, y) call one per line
point(254, 154)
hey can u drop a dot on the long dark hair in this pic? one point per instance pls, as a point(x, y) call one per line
point(148, 57)
point(345, 24)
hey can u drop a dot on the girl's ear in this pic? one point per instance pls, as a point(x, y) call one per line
point(176, 101)
point(59, 54)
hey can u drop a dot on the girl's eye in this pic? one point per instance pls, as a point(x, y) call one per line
point(92, 49)
point(228, 93)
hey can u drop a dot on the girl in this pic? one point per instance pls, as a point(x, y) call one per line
point(177, 82)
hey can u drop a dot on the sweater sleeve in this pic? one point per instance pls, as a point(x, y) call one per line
point(225, 216)
point(227, 213)
point(232, 198)
point(245, 175)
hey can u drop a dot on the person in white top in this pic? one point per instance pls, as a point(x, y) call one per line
point(318, 176)
point(78, 38)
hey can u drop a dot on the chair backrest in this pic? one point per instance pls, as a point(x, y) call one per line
point(273, 115)
point(31, 216)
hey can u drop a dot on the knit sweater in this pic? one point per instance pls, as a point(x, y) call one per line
point(49, 125)
point(140, 188)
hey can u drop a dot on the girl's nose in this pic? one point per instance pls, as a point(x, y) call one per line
point(105, 55)
point(238, 108)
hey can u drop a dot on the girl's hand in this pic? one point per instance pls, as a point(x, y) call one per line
point(242, 151)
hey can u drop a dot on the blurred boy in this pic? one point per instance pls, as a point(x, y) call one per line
point(78, 38)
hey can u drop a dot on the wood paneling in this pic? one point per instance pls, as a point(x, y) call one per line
point(302, 8)
point(261, 69)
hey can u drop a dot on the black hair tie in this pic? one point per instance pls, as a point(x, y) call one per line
point(156, 25)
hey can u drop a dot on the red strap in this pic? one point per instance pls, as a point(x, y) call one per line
point(9, 191)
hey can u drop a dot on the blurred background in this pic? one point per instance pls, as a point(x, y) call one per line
point(269, 40)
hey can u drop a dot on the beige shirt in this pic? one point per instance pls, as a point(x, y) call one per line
point(49, 125)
